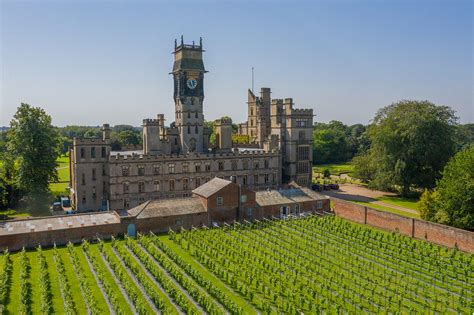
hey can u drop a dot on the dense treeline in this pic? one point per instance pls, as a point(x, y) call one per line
point(122, 136)
point(336, 142)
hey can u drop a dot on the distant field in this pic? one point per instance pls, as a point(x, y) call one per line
point(311, 265)
point(60, 187)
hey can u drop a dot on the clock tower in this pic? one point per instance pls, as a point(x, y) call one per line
point(188, 75)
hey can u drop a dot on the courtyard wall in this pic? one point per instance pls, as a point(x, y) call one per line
point(419, 229)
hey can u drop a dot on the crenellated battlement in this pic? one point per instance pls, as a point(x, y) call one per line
point(150, 121)
point(134, 157)
point(302, 111)
point(92, 141)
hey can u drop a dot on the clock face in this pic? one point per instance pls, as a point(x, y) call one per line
point(191, 83)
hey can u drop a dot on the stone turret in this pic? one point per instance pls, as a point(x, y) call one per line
point(224, 134)
point(105, 132)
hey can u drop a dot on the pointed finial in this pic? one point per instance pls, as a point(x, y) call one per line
point(193, 44)
point(175, 43)
point(182, 42)
point(200, 41)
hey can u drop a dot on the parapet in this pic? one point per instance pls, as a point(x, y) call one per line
point(150, 122)
point(93, 141)
point(224, 121)
point(302, 111)
point(251, 153)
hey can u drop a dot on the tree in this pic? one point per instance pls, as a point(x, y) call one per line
point(330, 143)
point(411, 142)
point(129, 138)
point(34, 145)
point(452, 201)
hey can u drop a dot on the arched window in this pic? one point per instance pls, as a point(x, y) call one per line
point(196, 130)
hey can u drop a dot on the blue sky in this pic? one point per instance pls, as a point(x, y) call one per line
point(90, 62)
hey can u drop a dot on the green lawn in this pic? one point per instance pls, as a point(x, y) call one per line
point(400, 201)
point(335, 168)
point(388, 209)
point(59, 188)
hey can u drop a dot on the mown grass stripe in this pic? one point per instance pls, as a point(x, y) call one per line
point(35, 283)
point(13, 306)
point(58, 305)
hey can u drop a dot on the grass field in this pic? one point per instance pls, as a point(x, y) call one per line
point(295, 266)
point(335, 169)
point(389, 209)
point(59, 188)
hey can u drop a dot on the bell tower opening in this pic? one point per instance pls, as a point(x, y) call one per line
point(188, 75)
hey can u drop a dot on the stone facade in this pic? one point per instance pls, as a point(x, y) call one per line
point(177, 158)
point(277, 124)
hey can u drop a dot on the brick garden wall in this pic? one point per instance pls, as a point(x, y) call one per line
point(16, 242)
point(419, 229)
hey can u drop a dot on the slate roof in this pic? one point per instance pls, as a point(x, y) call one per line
point(188, 64)
point(211, 187)
point(57, 222)
point(167, 208)
point(287, 196)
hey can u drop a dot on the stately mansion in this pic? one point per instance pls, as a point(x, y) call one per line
point(178, 158)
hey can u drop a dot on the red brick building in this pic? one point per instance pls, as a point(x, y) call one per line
point(215, 202)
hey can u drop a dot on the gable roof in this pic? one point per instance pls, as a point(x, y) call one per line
point(167, 207)
point(287, 196)
point(211, 187)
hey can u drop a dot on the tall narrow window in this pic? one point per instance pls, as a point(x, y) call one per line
point(103, 170)
point(185, 184)
point(125, 170)
point(197, 167)
point(156, 183)
point(234, 165)
point(171, 184)
point(171, 168)
point(185, 167)
point(156, 169)
point(255, 179)
point(93, 152)
point(197, 182)
point(93, 174)
point(104, 152)
point(189, 129)
point(141, 170)
point(125, 188)
point(83, 153)
point(221, 165)
point(196, 130)
point(220, 201)
point(141, 187)
point(244, 180)
point(208, 166)
point(83, 179)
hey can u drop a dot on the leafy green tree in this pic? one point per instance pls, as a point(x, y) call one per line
point(129, 138)
point(34, 144)
point(452, 201)
point(411, 142)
